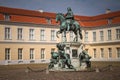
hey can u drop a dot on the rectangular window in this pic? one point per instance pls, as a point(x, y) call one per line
point(71, 36)
point(31, 53)
point(102, 52)
point(110, 52)
point(53, 35)
point(20, 54)
point(94, 36)
point(7, 33)
point(31, 34)
point(94, 53)
point(74, 52)
point(117, 33)
point(7, 53)
point(109, 20)
point(43, 53)
point(101, 36)
point(86, 36)
point(109, 35)
point(42, 34)
point(7, 17)
point(118, 52)
point(20, 33)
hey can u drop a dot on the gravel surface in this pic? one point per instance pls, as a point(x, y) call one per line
point(12, 73)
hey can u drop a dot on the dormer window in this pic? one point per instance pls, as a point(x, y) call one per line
point(110, 21)
point(48, 20)
point(6, 17)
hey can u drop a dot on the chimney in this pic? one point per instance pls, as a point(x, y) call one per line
point(108, 11)
point(40, 11)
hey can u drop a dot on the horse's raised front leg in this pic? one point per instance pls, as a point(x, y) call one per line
point(75, 39)
point(80, 34)
point(76, 36)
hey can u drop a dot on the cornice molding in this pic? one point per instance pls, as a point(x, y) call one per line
point(103, 43)
point(101, 27)
point(29, 24)
point(36, 43)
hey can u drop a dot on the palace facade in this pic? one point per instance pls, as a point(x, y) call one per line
point(28, 36)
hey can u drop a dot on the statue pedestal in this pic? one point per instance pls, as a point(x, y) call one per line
point(83, 66)
point(58, 68)
point(75, 62)
point(74, 49)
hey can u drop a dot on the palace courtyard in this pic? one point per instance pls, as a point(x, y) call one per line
point(39, 72)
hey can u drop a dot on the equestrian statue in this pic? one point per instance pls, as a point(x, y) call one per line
point(67, 23)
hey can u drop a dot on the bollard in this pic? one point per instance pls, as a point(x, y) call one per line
point(110, 67)
point(97, 69)
point(47, 70)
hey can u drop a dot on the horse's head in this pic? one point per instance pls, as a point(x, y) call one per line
point(59, 17)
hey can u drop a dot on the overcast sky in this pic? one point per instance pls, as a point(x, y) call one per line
point(79, 7)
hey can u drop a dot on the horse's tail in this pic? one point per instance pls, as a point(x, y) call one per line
point(58, 32)
point(78, 28)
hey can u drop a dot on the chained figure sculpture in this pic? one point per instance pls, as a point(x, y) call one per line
point(84, 57)
point(60, 58)
point(63, 57)
point(54, 59)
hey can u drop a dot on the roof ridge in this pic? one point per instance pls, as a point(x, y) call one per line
point(23, 11)
point(36, 13)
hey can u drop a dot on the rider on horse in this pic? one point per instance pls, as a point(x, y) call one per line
point(69, 17)
point(67, 23)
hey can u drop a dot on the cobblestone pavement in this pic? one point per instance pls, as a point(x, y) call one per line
point(38, 74)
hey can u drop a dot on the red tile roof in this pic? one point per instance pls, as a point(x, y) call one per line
point(1, 17)
point(16, 11)
point(20, 18)
point(116, 20)
point(30, 16)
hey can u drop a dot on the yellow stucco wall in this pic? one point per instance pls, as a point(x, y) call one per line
point(47, 44)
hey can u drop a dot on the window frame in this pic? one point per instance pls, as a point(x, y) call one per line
point(101, 35)
point(101, 52)
point(109, 52)
point(20, 54)
point(42, 53)
point(109, 36)
point(31, 34)
point(20, 33)
point(32, 54)
point(42, 34)
point(8, 33)
point(53, 37)
point(118, 34)
point(7, 54)
point(94, 36)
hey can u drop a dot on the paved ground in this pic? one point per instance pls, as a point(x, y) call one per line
point(22, 73)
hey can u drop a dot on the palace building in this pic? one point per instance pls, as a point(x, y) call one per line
point(28, 36)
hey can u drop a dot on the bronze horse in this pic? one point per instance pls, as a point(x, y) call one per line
point(74, 26)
